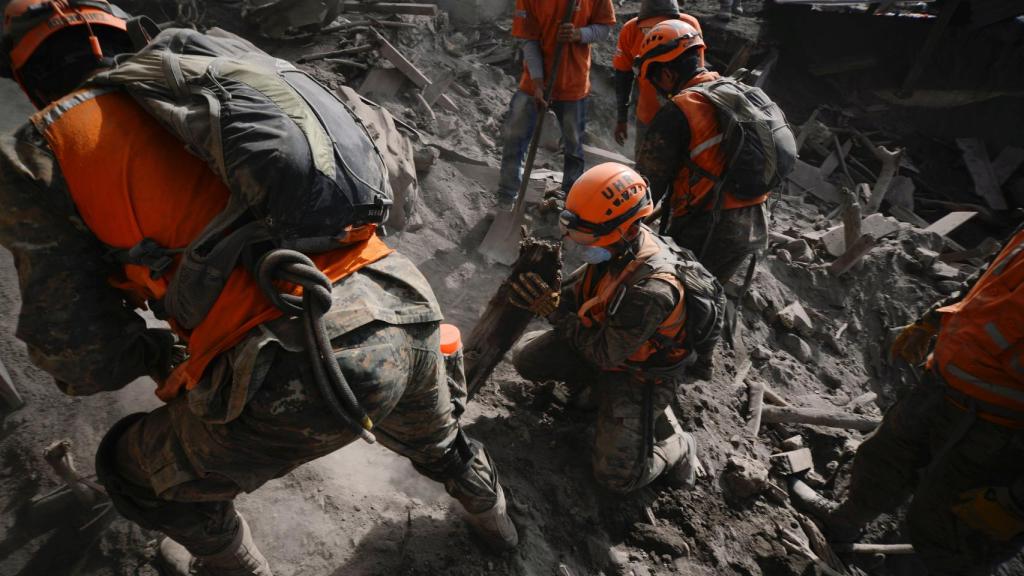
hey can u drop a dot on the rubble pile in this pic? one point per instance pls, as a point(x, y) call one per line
point(864, 238)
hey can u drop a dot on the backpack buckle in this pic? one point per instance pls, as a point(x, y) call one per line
point(151, 255)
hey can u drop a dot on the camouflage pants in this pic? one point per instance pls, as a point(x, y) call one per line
point(923, 430)
point(174, 471)
point(621, 461)
point(740, 232)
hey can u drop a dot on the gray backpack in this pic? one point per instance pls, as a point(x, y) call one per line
point(304, 174)
point(759, 143)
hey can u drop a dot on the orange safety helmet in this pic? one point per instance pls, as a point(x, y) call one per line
point(604, 203)
point(28, 23)
point(668, 40)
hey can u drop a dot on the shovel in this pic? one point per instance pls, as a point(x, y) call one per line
point(502, 241)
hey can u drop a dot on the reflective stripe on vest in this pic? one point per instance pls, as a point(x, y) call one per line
point(980, 345)
point(597, 300)
point(130, 179)
point(706, 151)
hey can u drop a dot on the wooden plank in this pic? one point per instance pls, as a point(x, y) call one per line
point(819, 417)
point(985, 183)
point(392, 8)
point(501, 323)
point(411, 71)
point(943, 226)
point(832, 162)
point(849, 259)
point(1007, 163)
point(808, 179)
point(875, 224)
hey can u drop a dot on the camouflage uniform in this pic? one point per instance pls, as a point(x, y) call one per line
point(923, 430)
point(256, 414)
point(582, 356)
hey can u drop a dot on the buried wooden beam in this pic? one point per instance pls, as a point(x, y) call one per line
point(501, 323)
point(852, 256)
point(819, 417)
point(851, 216)
point(864, 548)
point(755, 407)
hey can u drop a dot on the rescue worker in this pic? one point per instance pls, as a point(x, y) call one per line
point(683, 155)
point(92, 167)
point(538, 24)
point(956, 440)
point(619, 328)
point(631, 37)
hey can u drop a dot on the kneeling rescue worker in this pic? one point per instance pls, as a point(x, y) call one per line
point(962, 425)
point(91, 168)
point(620, 328)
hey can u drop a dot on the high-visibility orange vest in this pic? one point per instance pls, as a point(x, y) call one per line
point(706, 151)
point(980, 347)
point(599, 293)
point(131, 179)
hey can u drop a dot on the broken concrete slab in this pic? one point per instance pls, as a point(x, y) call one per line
point(809, 180)
point(986, 184)
point(792, 462)
point(943, 226)
point(833, 239)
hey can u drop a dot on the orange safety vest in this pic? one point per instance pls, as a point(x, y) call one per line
point(130, 179)
point(980, 347)
point(706, 151)
point(599, 293)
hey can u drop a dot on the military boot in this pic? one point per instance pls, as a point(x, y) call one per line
point(842, 522)
point(240, 558)
point(681, 464)
point(495, 526)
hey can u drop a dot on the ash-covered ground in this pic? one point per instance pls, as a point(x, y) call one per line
point(363, 511)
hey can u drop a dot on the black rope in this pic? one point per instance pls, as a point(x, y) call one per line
point(297, 268)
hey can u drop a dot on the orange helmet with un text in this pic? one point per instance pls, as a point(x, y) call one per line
point(28, 24)
point(604, 204)
point(667, 41)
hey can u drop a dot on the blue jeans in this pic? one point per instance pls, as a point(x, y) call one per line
point(519, 122)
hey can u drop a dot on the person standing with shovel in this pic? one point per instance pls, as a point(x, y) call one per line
point(542, 25)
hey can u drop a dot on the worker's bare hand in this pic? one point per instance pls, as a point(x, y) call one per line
point(569, 33)
point(530, 292)
point(913, 342)
point(621, 132)
point(538, 92)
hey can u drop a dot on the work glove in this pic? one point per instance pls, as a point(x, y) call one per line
point(531, 292)
point(621, 132)
point(569, 33)
point(991, 511)
point(914, 341)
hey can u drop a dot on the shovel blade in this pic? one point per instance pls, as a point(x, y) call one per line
point(502, 241)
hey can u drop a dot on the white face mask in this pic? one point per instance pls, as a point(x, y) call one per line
point(596, 254)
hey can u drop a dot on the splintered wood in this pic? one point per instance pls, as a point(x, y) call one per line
point(501, 323)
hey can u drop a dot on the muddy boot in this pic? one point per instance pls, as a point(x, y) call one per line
point(681, 464)
point(495, 526)
point(842, 522)
point(702, 368)
point(240, 558)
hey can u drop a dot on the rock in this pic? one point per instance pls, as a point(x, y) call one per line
point(754, 301)
point(796, 346)
point(947, 286)
point(445, 125)
point(761, 353)
point(792, 443)
point(800, 250)
point(942, 271)
point(424, 158)
point(663, 539)
point(744, 478)
point(814, 480)
point(784, 256)
point(924, 257)
point(795, 318)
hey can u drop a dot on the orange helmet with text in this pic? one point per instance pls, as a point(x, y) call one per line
point(29, 23)
point(604, 204)
point(667, 41)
